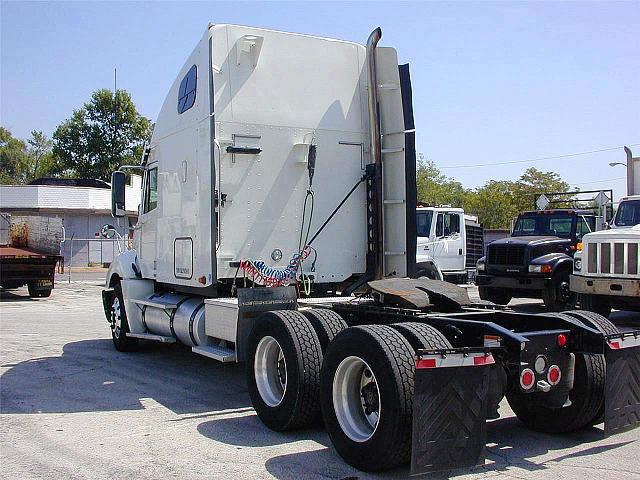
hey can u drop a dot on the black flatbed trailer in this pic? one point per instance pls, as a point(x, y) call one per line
point(28, 266)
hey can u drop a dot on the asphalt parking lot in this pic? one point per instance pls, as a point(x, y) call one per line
point(73, 407)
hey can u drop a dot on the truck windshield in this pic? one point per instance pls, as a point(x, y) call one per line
point(628, 214)
point(544, 224)
point(423, 222)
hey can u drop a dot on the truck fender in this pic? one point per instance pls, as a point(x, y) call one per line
point(428, 267)
point(124, 266)
point(556, 260)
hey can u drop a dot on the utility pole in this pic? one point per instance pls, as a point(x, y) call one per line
point(115, 115)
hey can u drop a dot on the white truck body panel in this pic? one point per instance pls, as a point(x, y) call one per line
point(278, 92)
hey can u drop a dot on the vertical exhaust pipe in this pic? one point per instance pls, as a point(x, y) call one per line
point(376, 150)
point(374, 118)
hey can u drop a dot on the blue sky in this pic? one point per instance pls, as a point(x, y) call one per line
point(492, 82)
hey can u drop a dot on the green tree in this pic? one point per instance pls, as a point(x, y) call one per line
point(533, 182)
point(14, 159)
point(104, 134)
point(435, 188)
point(493, 203)
point(39, 149)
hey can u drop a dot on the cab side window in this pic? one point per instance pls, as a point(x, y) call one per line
point(151, 190)
point(447, 224)
point(440, 225)
point(583, 227)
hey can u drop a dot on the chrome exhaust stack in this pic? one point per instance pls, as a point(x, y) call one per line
point(374, 117)
point(375, 236)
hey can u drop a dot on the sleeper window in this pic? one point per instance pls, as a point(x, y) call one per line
point(187, 90)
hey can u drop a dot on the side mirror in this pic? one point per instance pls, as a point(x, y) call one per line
point(118, 182)
point(108, 231)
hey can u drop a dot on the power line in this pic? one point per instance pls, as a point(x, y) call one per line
point(598, 181)
point(540, 159)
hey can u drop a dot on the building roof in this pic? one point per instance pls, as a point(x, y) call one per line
point(71, 182)
point(67, 197)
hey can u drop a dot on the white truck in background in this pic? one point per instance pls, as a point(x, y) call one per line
point(606, 271)
point(449, 243)
point(279, 181)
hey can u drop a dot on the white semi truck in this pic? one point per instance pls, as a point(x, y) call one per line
point(280, 180)
point(606, 270)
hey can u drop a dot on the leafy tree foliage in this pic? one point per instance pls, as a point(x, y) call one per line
point(40, 155)
point(435, 188)
point(496, 203)
point(104, 134)
point(21, 162)
point(13, 158)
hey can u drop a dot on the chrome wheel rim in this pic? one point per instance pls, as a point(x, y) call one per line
point(356, 399)
point(116, 317)
point(270, 371)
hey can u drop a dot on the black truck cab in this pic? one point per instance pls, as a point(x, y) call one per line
point(536, 260)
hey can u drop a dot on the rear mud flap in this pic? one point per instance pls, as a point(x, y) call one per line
point(622, 393)
point(450, 409)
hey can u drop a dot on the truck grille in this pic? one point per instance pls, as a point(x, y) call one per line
point(505, 254)
point(612, 258)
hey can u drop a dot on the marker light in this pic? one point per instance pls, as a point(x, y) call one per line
point(562, 340)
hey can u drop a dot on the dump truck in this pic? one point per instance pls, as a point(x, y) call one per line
point(278, 228)
point(30, 252)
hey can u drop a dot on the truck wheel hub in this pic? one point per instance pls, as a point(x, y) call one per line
point(270, 371)
point(356, 399)
point(116, 317)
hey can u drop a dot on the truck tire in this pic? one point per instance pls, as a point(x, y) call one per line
point(499, 296)
point(119, 324)
point(366, 396)
point(605, 326)
point(326, 323)
point(587, 398)
point(595, 320)
point(557, 297)
point(38, 293)
point(595, 303)
point(422, 336)
point(284, 358)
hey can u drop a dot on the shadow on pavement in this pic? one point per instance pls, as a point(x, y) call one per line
point(18, 295)
point(91, 376)
point(249, 431)
point(509, 444)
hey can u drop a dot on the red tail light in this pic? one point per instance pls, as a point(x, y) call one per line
point(554, 375)
point(527, 378)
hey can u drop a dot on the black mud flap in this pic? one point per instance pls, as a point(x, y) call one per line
point(254, 301)
point(450, 409)
point(106, 303)
point(622, 394)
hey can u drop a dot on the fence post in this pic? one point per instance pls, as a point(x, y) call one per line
point(70, 259)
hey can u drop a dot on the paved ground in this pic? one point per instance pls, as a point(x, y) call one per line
point(73, 407)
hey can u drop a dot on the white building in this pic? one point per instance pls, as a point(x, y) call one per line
point(83, 209)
